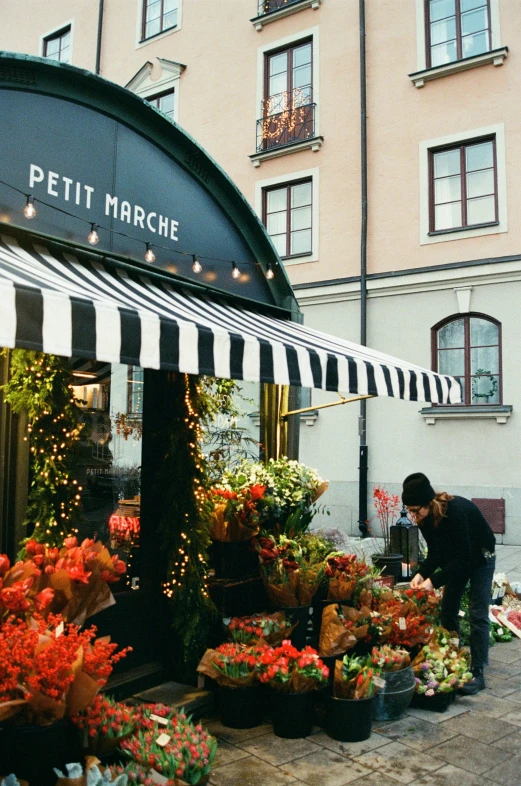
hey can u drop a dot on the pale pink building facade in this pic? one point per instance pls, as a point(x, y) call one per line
point(272, 91)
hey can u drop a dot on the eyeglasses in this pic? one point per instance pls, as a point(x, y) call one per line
point(416, 510)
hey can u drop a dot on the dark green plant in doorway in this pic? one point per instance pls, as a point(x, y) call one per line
point(39, 384)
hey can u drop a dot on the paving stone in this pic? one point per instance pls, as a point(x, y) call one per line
point(508, 773)
point(513, 717)
point(451, 776)
point(469, 754)
point(249, 772)
point(416, 733)
point(325, 768)
point(399, 762)
point(515, 696)
point(480, 727)
point(458, 708)
point(501, 687)
point(503, 655)
point(486, 704)
point(502, 670)
point(375, 779)
point(511, 743)
point(236, 735)
point(276, 750)
point(227, 753)
point(351, 748)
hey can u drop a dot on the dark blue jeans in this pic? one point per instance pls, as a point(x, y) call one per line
point(480, 592)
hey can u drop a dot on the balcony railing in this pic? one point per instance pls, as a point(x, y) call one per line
point(265, 6)
point(287, 119)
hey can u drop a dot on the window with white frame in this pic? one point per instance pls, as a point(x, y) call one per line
point(158, 16)
point(456, 29)
point(57, 46)
point(165, 102)
point(163, 91)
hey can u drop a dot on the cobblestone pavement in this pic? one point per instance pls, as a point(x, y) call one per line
point(476, 742)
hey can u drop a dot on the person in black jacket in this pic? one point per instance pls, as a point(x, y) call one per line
point(460, 549)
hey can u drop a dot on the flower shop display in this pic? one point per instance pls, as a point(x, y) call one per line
point(343, 627)
point(106, 723)
point(399, 682)
point(269, 628)
point(293, 675)
point(387, 507)
point(180, 750)
point(236, 514)
point(440, 668)
point(349, 709)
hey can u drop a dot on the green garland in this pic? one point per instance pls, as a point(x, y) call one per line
point(39, 385)
point(185, 523)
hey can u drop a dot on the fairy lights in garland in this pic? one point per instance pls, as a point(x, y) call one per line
point(93, 238)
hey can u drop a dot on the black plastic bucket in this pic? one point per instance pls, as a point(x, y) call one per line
point(349, 720)
point(31, 752)
point(292, 714)
point(241, 708)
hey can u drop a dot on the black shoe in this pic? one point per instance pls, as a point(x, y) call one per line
point(476, 684)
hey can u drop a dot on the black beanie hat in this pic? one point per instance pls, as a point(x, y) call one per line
point(417, 490)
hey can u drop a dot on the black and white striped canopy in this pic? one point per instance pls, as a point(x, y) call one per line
point(66, 305)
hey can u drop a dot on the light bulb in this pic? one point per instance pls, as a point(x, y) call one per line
point(93, 237)
point(29, 209)
point(196, 265)
point(149, 254)
point(269, 271)
point(235, 271)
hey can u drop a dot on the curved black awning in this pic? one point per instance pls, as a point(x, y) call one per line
point(74, 305)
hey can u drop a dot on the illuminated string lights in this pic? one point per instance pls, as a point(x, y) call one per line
point(93, 238)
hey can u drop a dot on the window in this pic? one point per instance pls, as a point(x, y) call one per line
point(165, 103)
point(266, 6)
point(463, 186)
point(58, 46)
point(469, 348)
point(287, 106)
point(457, 29)
point(287, 215)
point(158, 16)
point(135, 391)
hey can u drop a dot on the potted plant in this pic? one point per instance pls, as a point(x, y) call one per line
point(349, 709)
point(395, 667)
point(234, 667)
point(387, 506)
point(440, 668)
point(293, 676)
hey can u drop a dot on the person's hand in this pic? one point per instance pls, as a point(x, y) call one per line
point(416, 581)
point(427, 585)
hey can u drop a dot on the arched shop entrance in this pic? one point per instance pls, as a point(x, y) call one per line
point(125, 247)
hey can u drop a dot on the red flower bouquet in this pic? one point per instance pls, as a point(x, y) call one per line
point(347, 576)
point(107, 723)
point(387, 658)
point(290, 670)
point(355, 678)
point(236, 514)
point(269, 628)
point(290, 576)
point(233, 664)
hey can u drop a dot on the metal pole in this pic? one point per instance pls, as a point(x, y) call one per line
point(362, 428)
point(98, 41)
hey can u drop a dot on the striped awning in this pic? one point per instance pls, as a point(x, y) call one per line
point(56, 302)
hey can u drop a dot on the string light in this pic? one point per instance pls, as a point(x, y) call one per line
point(29, 209)
point(269, 271)
point(93, 237)
point(149, 254)
point(196, 265)
point(235, 270)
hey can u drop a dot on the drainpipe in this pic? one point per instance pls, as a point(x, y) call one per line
point(362, 420)
point(98, 40)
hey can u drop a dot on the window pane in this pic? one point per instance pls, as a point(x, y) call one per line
point(443, 53)
point(65, 54)
point(479, 211)
point(483, 332)
point(301, 218)
point(479, 156)
point(278, 84)
point(443, 31)
point(485, 390)
point(475, 44)
point(448, 189)
point(301, 242)
point(474, 21)
point(302, 55)
point(152, 28)
point(484, 360)
point(439, 9)
point(447, 216)
point(166, 105)
point(52, 47)
point(447, 163)
point(276, 223)
point(279, 241)
point(452, 334)
point(301, 96)
point(451, 361)
point(169, 5)
point(66, 39)
point(468, 5)
point(277, 200)
point(153, 11)
point(480, 183)
point(302, 76)
point(278, 63)
point(301, 195)
point(170, 20)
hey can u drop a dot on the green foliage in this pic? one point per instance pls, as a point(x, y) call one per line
point(185, 522)
point(39, 385)
point(497, 633)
